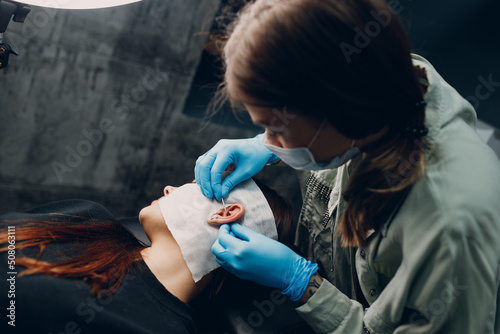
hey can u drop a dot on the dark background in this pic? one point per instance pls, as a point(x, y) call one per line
point(75, 65)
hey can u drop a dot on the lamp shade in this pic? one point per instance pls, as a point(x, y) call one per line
point(77, 4)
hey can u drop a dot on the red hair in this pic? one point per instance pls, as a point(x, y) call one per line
point(106, 250)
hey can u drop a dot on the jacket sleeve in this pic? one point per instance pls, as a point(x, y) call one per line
point(330, 311)
point(449, 288)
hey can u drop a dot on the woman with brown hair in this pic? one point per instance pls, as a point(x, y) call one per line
point(73, 268)
point(400, 195)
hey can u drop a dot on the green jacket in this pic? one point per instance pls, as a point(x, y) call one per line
point(433, 265)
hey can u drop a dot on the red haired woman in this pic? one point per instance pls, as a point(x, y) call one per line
point(400, 194)
point(72, 268)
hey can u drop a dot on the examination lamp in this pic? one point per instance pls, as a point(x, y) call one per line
point(17, 11)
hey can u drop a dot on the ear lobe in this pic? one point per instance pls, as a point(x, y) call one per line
point(232, 213)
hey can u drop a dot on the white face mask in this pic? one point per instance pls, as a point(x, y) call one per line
point(301, 158)
point(186, 210)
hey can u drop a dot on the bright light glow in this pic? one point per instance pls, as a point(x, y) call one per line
point(76, 4)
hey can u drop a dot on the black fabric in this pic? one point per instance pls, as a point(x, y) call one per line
point(45, 304)
point(244, 307)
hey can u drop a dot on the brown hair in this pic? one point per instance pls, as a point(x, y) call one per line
point(326, 59)
point(105, 250)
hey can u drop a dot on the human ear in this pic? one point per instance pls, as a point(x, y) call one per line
point(230, 214)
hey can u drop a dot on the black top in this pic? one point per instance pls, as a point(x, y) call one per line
point(45, 304)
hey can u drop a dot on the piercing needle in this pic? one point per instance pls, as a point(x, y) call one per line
point(224, 204)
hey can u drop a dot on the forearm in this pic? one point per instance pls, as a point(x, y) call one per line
point(313, 285)
point(328, 310)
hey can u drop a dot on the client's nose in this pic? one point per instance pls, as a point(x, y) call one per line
point(168, 190)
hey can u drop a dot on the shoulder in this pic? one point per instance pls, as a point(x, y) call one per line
point(463, 174)
point(458, 196)
point(459, 193)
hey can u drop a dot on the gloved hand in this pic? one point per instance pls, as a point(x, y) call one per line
point(253, 256)
point(248, 155)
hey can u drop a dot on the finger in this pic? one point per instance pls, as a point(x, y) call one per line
point(197, 168)
point(227, 239)
point(219, 261)
point(239, 175)
point(242, 232)
point(225, 228)
point(204, 173)
point(218, 251)
point(225, 265)
point(219, 166)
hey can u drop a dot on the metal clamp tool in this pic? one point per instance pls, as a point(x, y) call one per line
point(18, 13)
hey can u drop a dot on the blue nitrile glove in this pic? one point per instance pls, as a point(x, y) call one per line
point(253, 256)
point(248, 155)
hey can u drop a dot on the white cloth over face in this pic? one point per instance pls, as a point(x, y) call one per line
point(186, 210)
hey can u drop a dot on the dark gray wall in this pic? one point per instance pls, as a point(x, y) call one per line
point(461, 38)
point(92, 108)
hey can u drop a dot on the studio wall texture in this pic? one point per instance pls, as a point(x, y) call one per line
point(92, 108)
